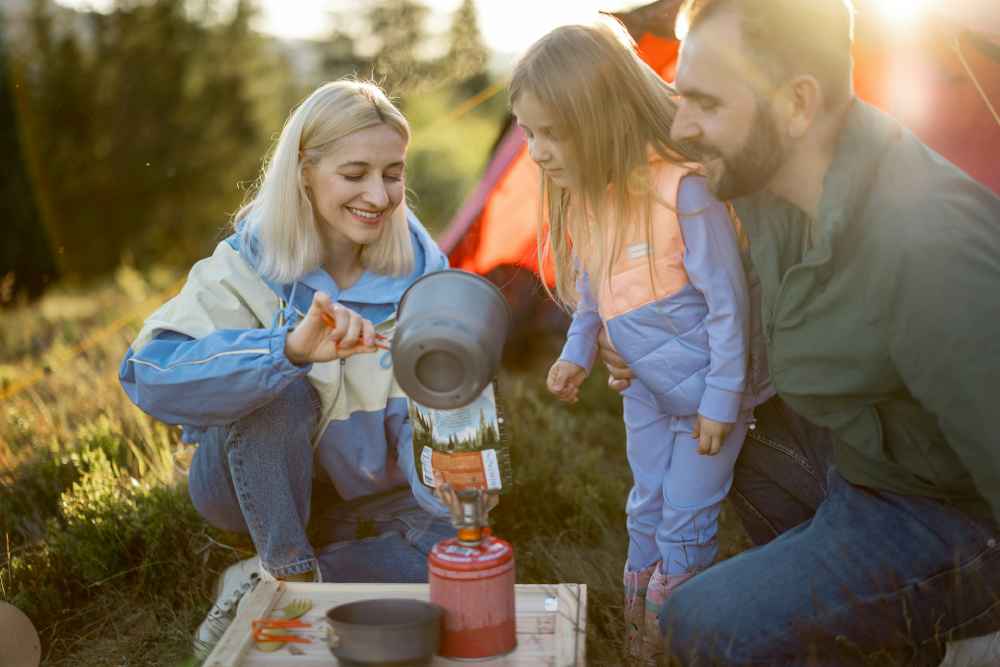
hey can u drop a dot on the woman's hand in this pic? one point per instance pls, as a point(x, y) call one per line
point(621, 376)
point(488, 500)
point(564, 380)
point(329, 331)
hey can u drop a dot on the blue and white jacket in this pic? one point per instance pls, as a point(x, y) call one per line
point(215, 353)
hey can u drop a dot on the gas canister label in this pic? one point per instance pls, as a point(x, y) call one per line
point(465, 447)
point(462, 470)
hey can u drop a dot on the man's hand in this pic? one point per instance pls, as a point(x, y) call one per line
point(621, 375)
point(710, 434)
point(329, 331)
point(564, 380)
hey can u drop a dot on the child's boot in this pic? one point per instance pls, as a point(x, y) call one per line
point(635, 593)
point(659, 589)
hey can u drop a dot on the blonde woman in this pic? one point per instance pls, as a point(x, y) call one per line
point(273, 359)
point(642, 250)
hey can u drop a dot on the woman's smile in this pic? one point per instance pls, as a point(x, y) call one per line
point(372, 218)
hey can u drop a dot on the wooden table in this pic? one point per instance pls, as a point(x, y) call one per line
point(551, 624)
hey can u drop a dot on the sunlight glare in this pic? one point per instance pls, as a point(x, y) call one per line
point(681, 27)
point(902, 12)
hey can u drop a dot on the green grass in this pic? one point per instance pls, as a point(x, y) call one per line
point(100, 544)
point(103, 550)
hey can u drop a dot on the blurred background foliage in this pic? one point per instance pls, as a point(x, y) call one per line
point(130, 135)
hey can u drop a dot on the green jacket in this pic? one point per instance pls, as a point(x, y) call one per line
point(887, 330)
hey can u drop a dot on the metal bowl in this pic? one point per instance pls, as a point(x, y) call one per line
point(450, 332)
point(393, 632)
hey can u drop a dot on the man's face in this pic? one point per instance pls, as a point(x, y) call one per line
point(722, 110)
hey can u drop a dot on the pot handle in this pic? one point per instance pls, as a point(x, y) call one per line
point(332, 638)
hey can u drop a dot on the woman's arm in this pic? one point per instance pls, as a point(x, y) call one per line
point(208, 381)
point(218, 350)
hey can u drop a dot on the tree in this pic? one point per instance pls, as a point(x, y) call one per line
point(467, 55)
point(398, 30)
point(145, 124)
point(340, 57)
point(27, 264)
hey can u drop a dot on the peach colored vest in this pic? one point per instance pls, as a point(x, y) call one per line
point(629, 286)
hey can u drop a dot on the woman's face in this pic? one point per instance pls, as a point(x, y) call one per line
point(357, 185)
point(546, 144)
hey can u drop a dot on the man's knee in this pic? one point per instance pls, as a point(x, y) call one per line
point(700, 629)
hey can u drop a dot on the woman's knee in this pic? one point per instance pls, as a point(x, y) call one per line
point(219, 509)
point(209, 482)
point(292, 416)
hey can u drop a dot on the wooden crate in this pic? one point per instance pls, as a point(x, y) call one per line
point(551, 624)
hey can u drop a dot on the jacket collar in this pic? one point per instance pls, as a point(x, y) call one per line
point(371, 288)
point(864, 139)
point(374, 288)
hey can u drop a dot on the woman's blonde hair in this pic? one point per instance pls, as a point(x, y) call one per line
point(278, 212)
point(612, 111)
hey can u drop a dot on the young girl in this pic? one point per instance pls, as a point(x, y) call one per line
point(269, 357)
point(642, 249)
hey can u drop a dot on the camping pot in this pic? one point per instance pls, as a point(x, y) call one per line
point(450, 329)
point(385, 631)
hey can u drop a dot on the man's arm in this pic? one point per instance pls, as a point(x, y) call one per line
point(945, 338)
point(619, 374)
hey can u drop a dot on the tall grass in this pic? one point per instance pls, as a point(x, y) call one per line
point(100, 544)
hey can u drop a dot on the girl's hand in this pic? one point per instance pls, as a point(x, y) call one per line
point(564, 380)
point(710, 435)
point(329, 331)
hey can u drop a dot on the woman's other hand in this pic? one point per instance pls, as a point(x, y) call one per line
point(620, 375)
point(329, 331)
point(564, 380)
point(488, 500)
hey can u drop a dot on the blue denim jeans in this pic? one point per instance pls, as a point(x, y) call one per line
point(255, 476)
point(843, 575)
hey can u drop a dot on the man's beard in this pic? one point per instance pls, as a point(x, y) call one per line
point(756, 162)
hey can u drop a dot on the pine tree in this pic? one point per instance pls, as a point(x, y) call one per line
point(27, 264)
point(145, 125)
point(340, 57)
point(398, 28)
point(467, 55)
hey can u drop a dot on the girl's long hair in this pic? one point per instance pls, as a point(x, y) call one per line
point(278, 213)
point(614, 112)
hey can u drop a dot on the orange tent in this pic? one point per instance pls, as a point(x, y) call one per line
point(916, 74)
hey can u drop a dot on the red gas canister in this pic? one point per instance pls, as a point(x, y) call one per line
point(474, 584)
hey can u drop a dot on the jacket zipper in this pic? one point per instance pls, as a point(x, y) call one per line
point(324, 422)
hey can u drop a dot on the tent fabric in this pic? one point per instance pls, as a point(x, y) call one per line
point(915, 75)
